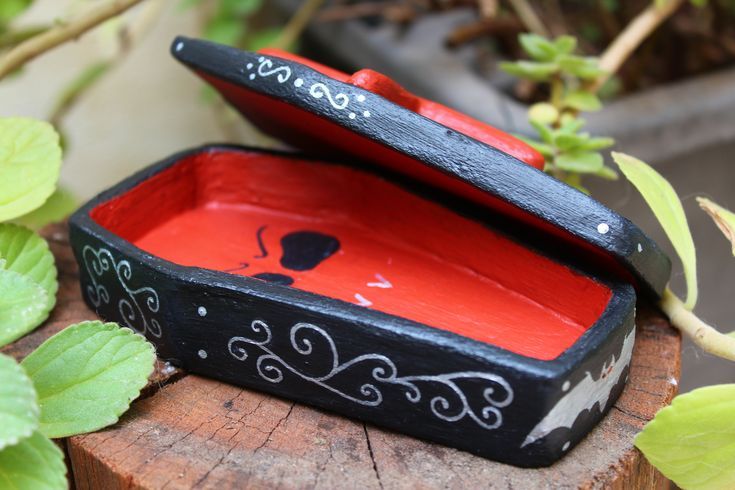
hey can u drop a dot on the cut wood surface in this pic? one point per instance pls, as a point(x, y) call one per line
point(191, 432)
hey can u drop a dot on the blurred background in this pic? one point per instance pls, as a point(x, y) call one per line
point(121, 102)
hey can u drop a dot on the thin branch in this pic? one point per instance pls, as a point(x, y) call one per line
point(37, 45)
point(297, 24)
point(702, 334)
point(528, 16)
point(632, 36)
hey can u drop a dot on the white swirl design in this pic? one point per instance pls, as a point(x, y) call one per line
point(265, 69)
point(97, 262)
point(319, 90)
point(450, 405)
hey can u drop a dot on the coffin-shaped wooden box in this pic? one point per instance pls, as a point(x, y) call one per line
point(421, 273)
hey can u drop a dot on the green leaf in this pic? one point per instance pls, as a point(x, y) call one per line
point(56, 208)
point(30, 159)
point(665, 204)
point(584, 68)
point(593, 144)
point(267, 38)
point(538, 47)
point(724, 219)
point(546, 150)
point(692, 441)
point(582, 101)
point(87, 375)
point(575, 180)
point(565, 44)
point(35, 463)
point(544, 131)
point(28, 254)
point(9, 9)
point(18, 405)
point(607, 173)
point(240, 7)
point(583, 162)
point(570, 141)
point(22, 306)
point(571, 124)
point(530, 69)
point(543, 113)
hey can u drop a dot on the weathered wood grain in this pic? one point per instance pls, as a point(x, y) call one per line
point(191, 432)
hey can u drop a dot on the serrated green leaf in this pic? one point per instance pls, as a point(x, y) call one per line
point(28, 254)
point(582, 162)
point(18, 405)
point(692, 441)
point(30, 159)
point(530, 69)
point(584, 68)
point(724, 219)
point(537, 47)
point(35, 463)
point(56, 208)
point(565, 44)
point(87, 375)
point(543, 113)
point(9, 9)
point(22, 305)
point(582, 101)
point(665, 204)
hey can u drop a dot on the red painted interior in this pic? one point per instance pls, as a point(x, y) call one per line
point(444, 270)
point(380, 84)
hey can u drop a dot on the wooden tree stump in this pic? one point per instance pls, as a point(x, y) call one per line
point(191, 432)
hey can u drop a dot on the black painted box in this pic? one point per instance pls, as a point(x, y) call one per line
point(385, 175)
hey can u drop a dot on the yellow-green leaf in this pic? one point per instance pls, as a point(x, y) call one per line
point(724, 219)
point(35, 463)
point(22, 306)
point(665, 204)
point(692, 441)
point(30, 159)
point(87, 375)
point(543, 113)
point(56, 208)
point(28, 254)
point(18, 405)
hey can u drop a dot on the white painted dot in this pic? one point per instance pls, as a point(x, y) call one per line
point(261, 59)
point(361, 98)
point(252, 76)
point(298, 82)
point(366, 113)
point(603, 228)
point(640, 248)
point(179, 46)
point(249, 66)
point(566, 386)
point(202, 353)
point(202, 311)
point(352, 115)
point(565, 446)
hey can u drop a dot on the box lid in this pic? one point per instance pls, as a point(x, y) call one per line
point(368, 116)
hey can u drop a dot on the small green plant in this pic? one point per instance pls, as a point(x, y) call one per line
point(570, 153)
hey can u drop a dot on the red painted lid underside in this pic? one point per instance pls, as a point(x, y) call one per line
point(230, 211)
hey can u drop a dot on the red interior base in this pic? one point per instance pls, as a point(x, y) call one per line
point(346, 234)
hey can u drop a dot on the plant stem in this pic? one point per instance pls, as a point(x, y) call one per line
point(631, 37)
point(297, 24)
point(37, 45)
point(702, 334)
point(529, 17)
